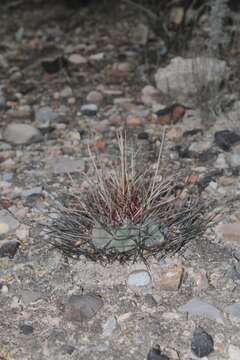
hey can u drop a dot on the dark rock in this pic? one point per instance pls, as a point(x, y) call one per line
point(207, 155)
point(183, 151)
point(82, 307)
point(226, 138)
point(53, 66)
point(8, 248)
point(156, 354)
point(143, 136)
point(68, 349)
point(202, 343)
point(192, 132)
point(26, 329)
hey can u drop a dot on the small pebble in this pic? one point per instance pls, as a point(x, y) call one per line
point(26, 329)
point(202, 343)
point(89, 109)
point(156, 354)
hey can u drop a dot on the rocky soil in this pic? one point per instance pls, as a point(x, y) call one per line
point(68, 80)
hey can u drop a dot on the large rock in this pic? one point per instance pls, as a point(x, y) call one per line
point(19, 134)
point(183, 77)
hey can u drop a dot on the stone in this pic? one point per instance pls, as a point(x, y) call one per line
point(156, 354)
point(66, 92)
point(140, 34)
point(234, 157)
point(221, 162)
point(77, 59)
point(89, 109)
point(202, 343)
point(169, 279)
point(199, 147)
point(229, 233)
point(97, 57)
point(109, 326)
point(134, 120)
point(225, 139)
point(26, 328)
point(5, 146)
point(233, 352)
point(200, 280)
point(82, 307)
point(95, 97)
point(202, 308)
point(8, 176)
point(45, 115)
point(22, 233)
point(149, 95)
point(176, 15)
point(174, 133)
point(121, 70)
point(139, 278)
point(233, 310)
point(63, 165)
point(8, 248)
point(20, 134)
point(8, 223)
point(181, 77)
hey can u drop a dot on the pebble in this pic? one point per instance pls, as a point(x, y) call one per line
point(77, 59)
point(8, 248)
point(233, 310)
point(234, 158)
point(89, 109)
point(221, 162)
point(139, 278)
point(229, 233)
point(200, 280)
point(66, 92)
point(97, 57)
point(134, 120)
point(22, 232)
point(234, 352)
point(45, 115)
point(202, 343)
point(95, 97)
point(109, 326)
point(4, 289)
point(82, 307)
point(156, 354)
point(169, 279)
point(149, 95)
point(202, 308)
point(5, 146)
point(225, 139)
point(20, 134)
point(176, 15)
point(26, 328)
point(8, 223)
point(8, 177)
point(199, 147)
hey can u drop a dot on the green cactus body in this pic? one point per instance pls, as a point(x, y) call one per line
point(127, 237)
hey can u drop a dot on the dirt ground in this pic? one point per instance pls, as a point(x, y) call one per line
point(76, 76)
